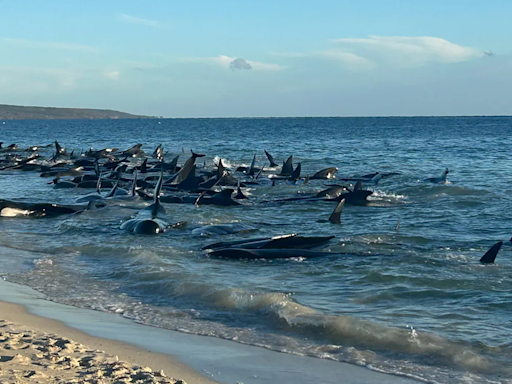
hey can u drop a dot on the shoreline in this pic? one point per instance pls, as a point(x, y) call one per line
point(193, 358)
point(15, 318)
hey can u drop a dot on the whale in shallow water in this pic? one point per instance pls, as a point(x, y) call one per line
point(290, 241)
point(222, 198)
point(37, 210)
point(440, 179)
point(92, 196)
point(241, 253)
point(149, 221)
point(327, 173)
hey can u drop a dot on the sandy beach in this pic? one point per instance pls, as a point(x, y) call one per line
point(63, 336)
point(38, 350)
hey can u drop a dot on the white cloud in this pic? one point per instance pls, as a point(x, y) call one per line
point(350, 59)
point(408, 50)
point(225, 61)
point(48, 45)
point(112, 75)
point(138, 20)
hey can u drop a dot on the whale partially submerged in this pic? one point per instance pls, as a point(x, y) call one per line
point(149, 220)
point(441, 179)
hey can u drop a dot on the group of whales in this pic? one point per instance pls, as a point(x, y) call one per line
point(132, 174)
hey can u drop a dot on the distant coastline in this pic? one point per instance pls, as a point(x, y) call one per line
point(18, 112)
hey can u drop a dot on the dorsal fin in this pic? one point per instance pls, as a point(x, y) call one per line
point(358, 186)
point(287, 169)
point(491, 254)
point(58, 147)
point(98, 184)
point(158, 188)
point(376, 178)
point(397, 227)
point(134, 186)
point(270, 159)
point(91, 206)
point(239, 193)
point(335, 217)
point(296, 172)
point(144, 166)
point(220, 169)
point(173, 164)
point(251, 168)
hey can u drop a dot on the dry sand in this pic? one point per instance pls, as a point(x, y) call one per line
point(34, 349)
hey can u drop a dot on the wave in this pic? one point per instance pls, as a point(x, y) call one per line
point(274, 320)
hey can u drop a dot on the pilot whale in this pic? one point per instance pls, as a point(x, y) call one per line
point(149, 221)
point(440, 179)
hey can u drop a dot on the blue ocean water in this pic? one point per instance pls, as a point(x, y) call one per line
point(412, 302)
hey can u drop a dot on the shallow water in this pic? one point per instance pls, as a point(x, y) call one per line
point(414, 301)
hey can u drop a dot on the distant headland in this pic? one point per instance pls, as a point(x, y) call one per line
point(17, 112)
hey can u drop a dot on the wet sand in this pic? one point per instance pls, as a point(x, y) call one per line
point(38, 350)
point(181, 356)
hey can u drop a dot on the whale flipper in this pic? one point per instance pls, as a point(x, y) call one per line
point(491, 254)
point(335, 217)
point(98, 184)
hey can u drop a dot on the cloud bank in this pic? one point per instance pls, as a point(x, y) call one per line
point(408, 50)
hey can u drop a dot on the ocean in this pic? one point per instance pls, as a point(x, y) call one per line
point(412, 301)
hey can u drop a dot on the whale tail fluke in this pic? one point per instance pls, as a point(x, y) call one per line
point(196, 155)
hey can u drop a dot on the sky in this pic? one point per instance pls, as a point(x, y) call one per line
point(224, 58)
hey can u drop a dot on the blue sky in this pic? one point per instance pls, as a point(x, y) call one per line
point(259, 58)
